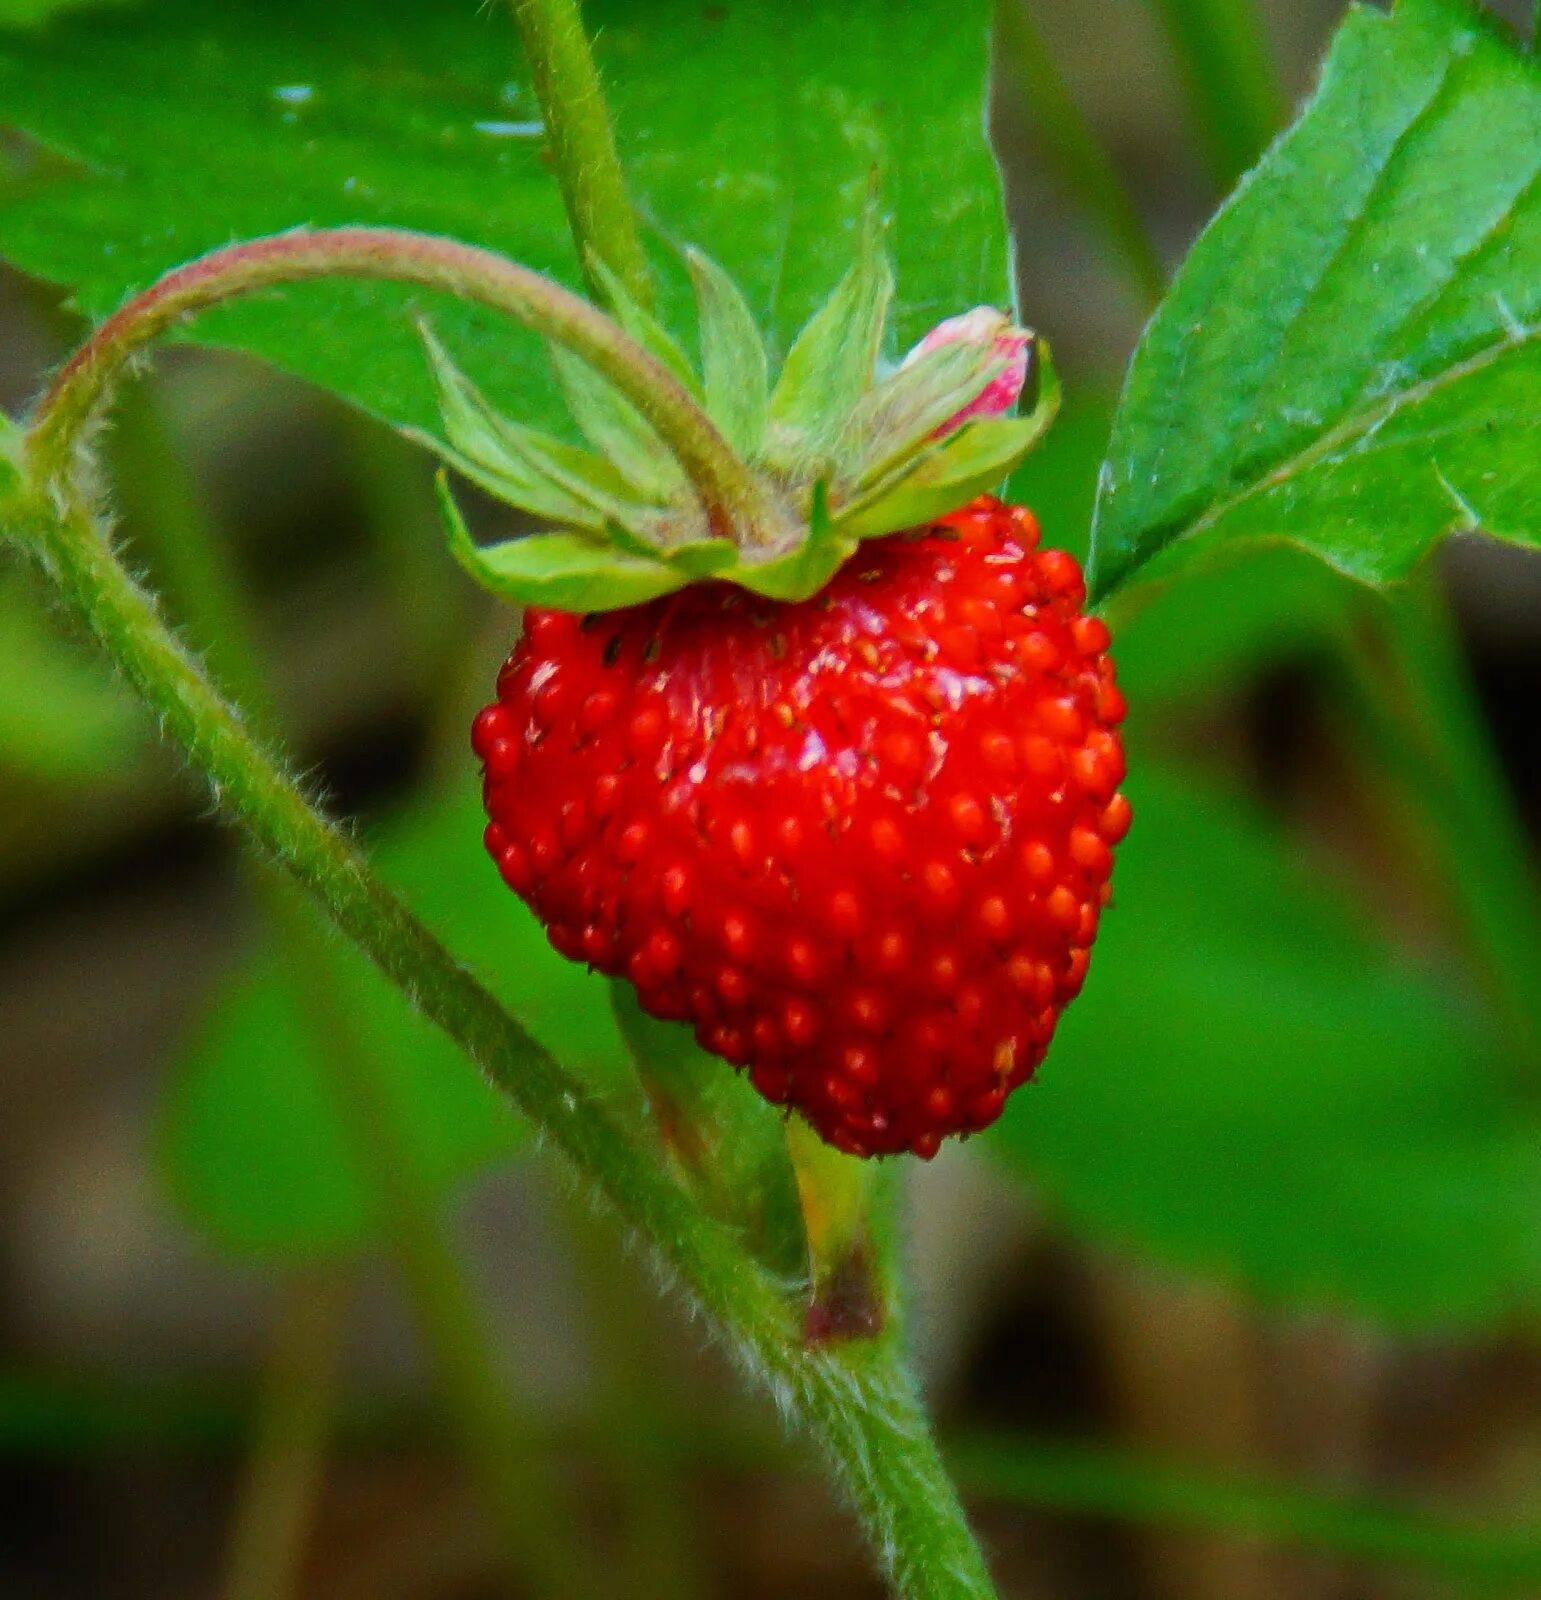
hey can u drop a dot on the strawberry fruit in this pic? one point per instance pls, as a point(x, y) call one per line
point(841, 794)
point(861, 842)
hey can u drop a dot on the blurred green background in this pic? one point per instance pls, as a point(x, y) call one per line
point(1238, 1302)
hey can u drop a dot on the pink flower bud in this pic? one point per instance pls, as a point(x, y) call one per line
point(994, 332)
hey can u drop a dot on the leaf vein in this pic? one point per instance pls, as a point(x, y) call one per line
point(1359, 425)
point(1351, 234)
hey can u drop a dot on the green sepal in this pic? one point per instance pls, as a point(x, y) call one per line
point(732, 357)
point(588, 477)
point(612, 425)
point(802, 572)
point(479, 446)
point(546, 501)
point(704, 558)
point(902, 414)
point(642, 325)
point(696, 558)
point(972, 461)
point(831, 364)
point(12, 438)
point(560, 569)
point(834, 450)
point(549, 478)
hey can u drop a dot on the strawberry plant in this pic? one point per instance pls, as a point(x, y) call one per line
point(810, 737)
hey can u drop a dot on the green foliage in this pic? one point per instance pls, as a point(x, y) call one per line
point(1212, 631)
point(849, 452)
point(384, 111)
point(830, 365)
point(62, 719)
point(28, 13)
point(256, 1147)
point(1253, 1085)
point(1229, 79)
point(1347, 363)
point(1348, 360)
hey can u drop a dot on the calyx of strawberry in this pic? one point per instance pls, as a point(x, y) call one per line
point(837, 450)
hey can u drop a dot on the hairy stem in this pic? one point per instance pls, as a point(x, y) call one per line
point(275, 815)
point(538, 1535)
point(856, 1400)
point(582, 142)
point(733, 500)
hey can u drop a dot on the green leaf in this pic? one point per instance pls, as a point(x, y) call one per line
point(28, 13)
point(1216, 628)
point(1349, 359)
point(388, 111)
point(833, 362)
point(1257, 1087)
point(563, 570)
point(253, 1148)
point(732, 357)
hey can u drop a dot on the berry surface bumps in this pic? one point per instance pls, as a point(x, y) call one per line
point(861, 843)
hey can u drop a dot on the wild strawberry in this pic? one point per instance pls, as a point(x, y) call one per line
point(860, 842)
point(847, 802)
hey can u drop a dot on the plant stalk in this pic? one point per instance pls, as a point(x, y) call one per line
point(582, 142)
point(857, 1399)
point(734, 502)
point(1228, 77)
point(284, 1470)
point(539, 1538)
point(1410, 695)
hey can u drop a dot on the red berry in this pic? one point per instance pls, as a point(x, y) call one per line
point(861, 842)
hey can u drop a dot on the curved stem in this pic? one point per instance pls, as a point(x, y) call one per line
point(582, 143)
point(539, 1537)
point(856, 1399)
point(733, 500)
point(279, 820)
